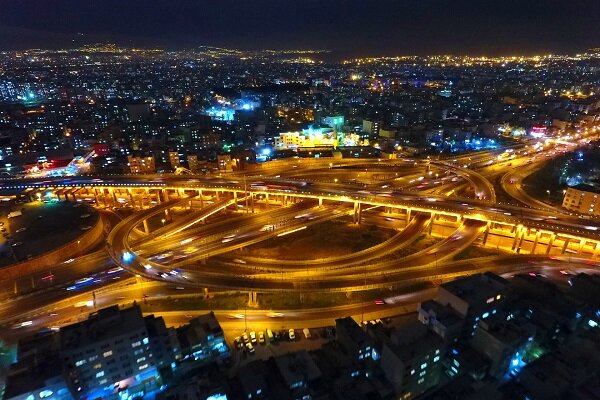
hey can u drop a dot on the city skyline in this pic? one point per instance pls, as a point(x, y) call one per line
point(387, 28)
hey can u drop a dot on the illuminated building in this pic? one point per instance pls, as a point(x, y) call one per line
point(141, 165)
point(371, 127)
point(174, 159)
point(314, 137)
point(224, 114)
point(335, 122)
point(411, 359)
point(582, 201)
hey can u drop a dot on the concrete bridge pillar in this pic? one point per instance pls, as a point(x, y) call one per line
point(146, 227)
point(596, 250)
point(550, 242)
point(564, 248)
point(486, 233)
point(253, 299)
point(96, 196)
point(535, 242)
point(516, 239)
point(357, 213)
point(131, 197)
point(114, 196)
point(407, 215)
point(581, 245)
point(521, 239)
point(320, 202)
point(201, 199)
point(217, 195)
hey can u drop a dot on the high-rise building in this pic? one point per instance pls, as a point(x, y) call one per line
point(141, 165)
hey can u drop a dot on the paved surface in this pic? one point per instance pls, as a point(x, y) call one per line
point(43, 227)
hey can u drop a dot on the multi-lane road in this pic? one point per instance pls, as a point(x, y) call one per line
point(181, 254)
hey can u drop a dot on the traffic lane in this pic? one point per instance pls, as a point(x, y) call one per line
point(402, 239)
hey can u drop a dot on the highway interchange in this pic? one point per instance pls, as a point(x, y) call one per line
point(198, 248)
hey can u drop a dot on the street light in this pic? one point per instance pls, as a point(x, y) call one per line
point(163, 221)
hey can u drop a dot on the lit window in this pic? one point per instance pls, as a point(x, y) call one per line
point(45, 393)
point(80, 363)
point(97, 366)
point(100, 374)
point(136, 344)
point(107, 353)
point(436, 358)
point(144, 366)
point(145, 340)
point(424, 365)
point(421, 381)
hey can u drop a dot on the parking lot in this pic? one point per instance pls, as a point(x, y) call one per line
point(279, 344)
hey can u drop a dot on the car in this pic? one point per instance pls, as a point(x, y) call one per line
point(17, 244)
point(261, 337)
point(245, 338)
point(380, 302)
point(253, 337)
point(250, 348)
point(23, 229)
point(275, 315)
point(292, 334)
point(86, 227)
point(237, 342)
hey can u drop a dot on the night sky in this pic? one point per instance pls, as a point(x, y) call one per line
point(356, 27)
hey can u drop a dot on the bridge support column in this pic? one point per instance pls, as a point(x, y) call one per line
point(407, 215)
point(535, 242)
point(252, 202)
point(96, 196)
point(131, 197)
point(486, 233)
point(357, 213)
point(521, 239)
point(146, 227)
point(596, 250)
point(104, 197)
point(217, 195)
point(516, 239)
point(201, 198)
point(564, 248)
point(550, 242)
point(253, 299)
point(114, 196)
point(320, 202)
point(581, 245)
